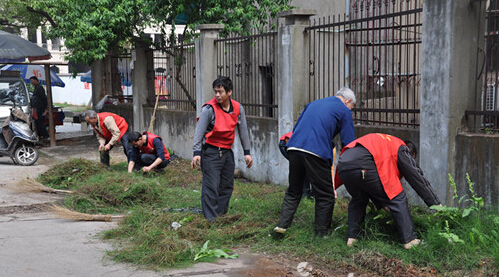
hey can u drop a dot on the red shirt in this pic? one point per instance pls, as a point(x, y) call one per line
point(384, 149)
point(223, 132)
point(148, 148)
point(120, 122)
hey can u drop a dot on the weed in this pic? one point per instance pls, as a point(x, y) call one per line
point(153, 202)
point(206, 254)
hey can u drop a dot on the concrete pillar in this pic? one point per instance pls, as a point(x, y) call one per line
point(206, 62)
point(449, 48)
point(143, 84)
point(97, 68)
point(292, 65)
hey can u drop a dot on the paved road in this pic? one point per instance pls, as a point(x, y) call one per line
point(37, 243)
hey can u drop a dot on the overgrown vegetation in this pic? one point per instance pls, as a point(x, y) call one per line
point(458, 240)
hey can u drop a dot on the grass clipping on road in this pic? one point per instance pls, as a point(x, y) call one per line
point(163, 227)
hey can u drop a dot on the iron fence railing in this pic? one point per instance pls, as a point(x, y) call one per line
point(175, 77)
point(485, 117)
point(250, 61)
point(374, 50)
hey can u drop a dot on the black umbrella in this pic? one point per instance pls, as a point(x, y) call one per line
point(14, 48)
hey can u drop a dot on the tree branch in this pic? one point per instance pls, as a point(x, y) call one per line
point(44, 14)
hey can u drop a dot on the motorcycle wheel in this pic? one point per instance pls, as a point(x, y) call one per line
point(26, 154)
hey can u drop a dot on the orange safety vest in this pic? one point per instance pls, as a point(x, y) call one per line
point(384, 149)
point(120, 122)
point(223, 132)
point(149, 146)
point(286, 136)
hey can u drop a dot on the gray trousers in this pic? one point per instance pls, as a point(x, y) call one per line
point(217, 165)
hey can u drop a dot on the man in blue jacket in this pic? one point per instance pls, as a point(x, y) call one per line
point(310, 150)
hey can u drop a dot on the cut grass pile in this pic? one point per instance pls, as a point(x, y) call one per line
point(153, 202)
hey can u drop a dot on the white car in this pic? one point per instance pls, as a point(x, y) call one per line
point(13, 91)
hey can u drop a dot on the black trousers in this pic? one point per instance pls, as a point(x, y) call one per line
point(319, 173)
point(148, 159)
point(363, 187)
point(41, 130)
point(127, 149)
point(217, 165)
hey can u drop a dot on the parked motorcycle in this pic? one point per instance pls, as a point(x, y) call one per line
point(17, 140)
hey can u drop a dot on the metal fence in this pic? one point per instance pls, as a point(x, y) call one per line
point(486, 118)
point(374, 50)
point(175, 77)
point(250, 61)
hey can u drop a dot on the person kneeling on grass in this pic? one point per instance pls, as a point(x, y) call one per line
point(148, 152)
point(371, 167)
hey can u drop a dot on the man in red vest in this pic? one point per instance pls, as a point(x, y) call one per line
point(371, 167)
point(109, 129)
point(212, 142)
point(148, 152)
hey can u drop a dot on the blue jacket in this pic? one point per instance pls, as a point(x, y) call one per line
point(319, 123)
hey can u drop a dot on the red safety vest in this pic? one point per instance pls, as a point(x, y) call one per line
point(384, 149)
point(120, 122)
point(223, 132)
point(148, 148)
point(286, 136)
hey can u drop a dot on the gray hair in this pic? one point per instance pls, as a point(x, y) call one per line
point(89, 113)
point(347, 94)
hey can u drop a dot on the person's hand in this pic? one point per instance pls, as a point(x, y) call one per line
point(249, 160)
point(101, 147)
point(196, 160)
point(107, 147)
point(146, 168)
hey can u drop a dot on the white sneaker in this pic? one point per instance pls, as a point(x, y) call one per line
point(412, 243)
point(279, 230)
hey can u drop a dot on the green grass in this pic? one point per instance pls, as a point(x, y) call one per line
point(153, 202)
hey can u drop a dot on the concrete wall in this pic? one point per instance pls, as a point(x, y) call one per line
point(478, 155)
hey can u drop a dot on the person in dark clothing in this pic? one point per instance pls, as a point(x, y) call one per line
point(39, 104)
point(212, 142)
point(371, 167)
point(148, 152)
point(310, 150)
point(307, 190)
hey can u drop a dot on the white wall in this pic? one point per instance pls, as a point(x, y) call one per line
point(76, 92)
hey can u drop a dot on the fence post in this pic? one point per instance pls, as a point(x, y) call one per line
point(448, 82)
point(143, 83)
point(292, 64)
point(206, 62)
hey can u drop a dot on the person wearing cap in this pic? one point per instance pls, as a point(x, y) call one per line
point(212, 143)
point(371, 167)
point(310, 151)
point(109, 129)
point(148, 152)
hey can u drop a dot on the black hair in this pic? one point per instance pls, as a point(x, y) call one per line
point(224, 82)
point(134, 136)
point(34, 78)
point(413, 150)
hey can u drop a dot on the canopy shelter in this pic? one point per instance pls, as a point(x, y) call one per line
point(29, 70)
point(126, 79)
point(14, 49)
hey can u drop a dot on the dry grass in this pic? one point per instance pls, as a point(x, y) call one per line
point(69, 214)
point(29, 184)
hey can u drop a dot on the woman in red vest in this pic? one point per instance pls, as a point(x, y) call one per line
point(148, 152)
point(213, 138)
point(109, 129)
point(371, 167)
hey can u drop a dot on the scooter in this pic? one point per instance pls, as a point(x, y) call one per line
point(17, 140)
